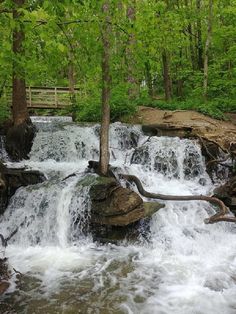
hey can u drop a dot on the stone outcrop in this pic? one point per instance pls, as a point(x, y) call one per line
point(192, 123)
point(114, 205)
point(167, 130)
point(227, 193)
point(11, 179)
point(5, 275)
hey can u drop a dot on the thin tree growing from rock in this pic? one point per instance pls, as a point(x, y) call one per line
point(106, 90)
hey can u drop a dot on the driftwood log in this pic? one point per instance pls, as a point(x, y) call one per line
point(220, 216)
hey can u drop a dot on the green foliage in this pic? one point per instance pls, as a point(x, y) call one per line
point(4, 110)
point(88, 108)
point(214, 109)
point(61, 34)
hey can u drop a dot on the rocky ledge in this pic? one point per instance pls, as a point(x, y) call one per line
point(114, 205)
point(11, 179)
point(118, 213)
point(227, 193)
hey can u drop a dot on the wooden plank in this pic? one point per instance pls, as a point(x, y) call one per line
point(45, 97)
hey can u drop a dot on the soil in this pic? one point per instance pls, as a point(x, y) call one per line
point(223, 133)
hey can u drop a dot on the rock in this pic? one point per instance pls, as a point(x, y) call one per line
point(113, 205)
point(19, 140)
point(119, 201)
point(142, 211)
point(5, 275)
point(11, 179)
point(120, 220)
point(4, 285)
point(166, 130)
point(106, 233)
point(151, 208)
point(92, 164)
point(102, 187)
point(227, 193)
point(110, 199)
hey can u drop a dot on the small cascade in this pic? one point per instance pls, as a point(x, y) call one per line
point(182, 266)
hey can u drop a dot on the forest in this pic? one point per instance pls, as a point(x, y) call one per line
point(118, 156)
point(177, 54)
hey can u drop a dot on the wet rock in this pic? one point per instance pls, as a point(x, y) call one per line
point(11, 179)
point(151, 208)
point(4, 285)
point(106, 233)
point(167, 165)
point(227, 193)
point(120, 220)
point(92, 164)
point(19, 140)
point(110, 199)
point(5, 275)
point(166, 130)
point(102, 188)
point(141, 156)
point(113, 205)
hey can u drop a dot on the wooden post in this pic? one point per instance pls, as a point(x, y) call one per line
point(55, 90)
point(30, 97)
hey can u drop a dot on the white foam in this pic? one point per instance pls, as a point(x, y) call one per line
point(185, 266)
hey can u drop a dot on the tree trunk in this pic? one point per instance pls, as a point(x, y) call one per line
point(71, 79)
point(19, 104)
point(148, 76)
point(199, 37)
point(20, 136)
point(166, 76)
point(131, 79)
point(106, 82)
point(207, 46)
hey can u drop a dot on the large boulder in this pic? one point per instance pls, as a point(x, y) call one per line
point(11, 179)
point(166, 130)
point(227, 193)
point(113, 205)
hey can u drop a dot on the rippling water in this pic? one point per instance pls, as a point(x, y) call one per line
point(183, 266)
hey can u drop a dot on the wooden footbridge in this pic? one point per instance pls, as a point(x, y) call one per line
point(46, 97)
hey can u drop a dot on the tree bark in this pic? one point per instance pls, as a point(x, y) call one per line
point(19, 104)
point(207, 46)
point(106, 83)
point(148, 76)
point(199, 37)
point(220, 216)
point(166, 76)
point(131, 79)
point(71, 79)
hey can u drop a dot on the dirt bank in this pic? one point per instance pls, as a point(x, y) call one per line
point(220, 132)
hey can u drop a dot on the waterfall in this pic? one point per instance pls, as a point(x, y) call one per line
point(183, 267)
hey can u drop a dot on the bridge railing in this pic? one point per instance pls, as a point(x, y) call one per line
point(45, 97)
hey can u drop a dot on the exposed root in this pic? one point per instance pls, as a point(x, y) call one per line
point(220, 216)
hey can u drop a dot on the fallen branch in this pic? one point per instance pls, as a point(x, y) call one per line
point(220, 216)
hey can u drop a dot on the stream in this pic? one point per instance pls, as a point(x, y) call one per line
point(181, 266)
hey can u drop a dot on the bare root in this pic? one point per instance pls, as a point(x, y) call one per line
point(220, 216)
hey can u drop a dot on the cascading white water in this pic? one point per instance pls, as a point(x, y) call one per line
point(184, 267)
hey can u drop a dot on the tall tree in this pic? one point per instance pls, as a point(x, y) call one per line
point(166, 75)
point(19, 104)
point(207, 46)
point(131, 79)
point(199, 35)
point(106, 86)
